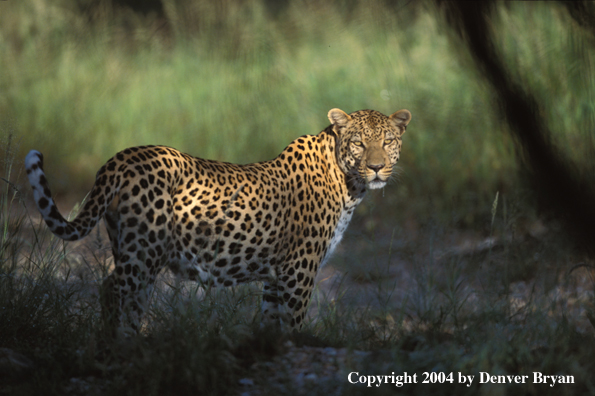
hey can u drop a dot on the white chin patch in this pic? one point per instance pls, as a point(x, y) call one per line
point(375, 184)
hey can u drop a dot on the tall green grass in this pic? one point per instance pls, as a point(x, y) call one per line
point(229, 82)
point(235, 82)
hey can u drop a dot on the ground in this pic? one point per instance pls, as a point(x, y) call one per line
point(409, 298)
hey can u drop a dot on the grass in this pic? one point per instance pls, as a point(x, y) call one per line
point(240, 76)
point(237, 82)
point(234, 73)
point(419, 304)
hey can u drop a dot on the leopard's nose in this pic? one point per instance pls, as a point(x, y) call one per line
point(376, 168)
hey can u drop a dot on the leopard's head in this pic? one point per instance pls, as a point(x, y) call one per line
point(368, 143)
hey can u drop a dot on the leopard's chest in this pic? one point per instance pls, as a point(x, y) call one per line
point(342, 224)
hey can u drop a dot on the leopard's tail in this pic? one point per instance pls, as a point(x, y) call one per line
point(94, 208)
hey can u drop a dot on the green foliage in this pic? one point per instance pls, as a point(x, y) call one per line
point(232, 83)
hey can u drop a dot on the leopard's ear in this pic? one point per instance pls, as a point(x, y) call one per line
point(338, 118)
point(400, 119)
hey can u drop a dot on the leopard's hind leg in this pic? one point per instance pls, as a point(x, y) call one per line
point(140, 236)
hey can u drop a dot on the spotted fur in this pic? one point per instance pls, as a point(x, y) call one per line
point(222, 224)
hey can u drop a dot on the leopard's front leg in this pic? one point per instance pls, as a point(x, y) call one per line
point(287, 300)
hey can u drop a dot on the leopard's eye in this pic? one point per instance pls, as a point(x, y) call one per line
point(357, 143)
point(388, 141)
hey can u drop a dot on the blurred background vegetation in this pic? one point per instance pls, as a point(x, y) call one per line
point(238, 80)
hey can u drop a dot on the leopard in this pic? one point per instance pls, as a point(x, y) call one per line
point(222, 224)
